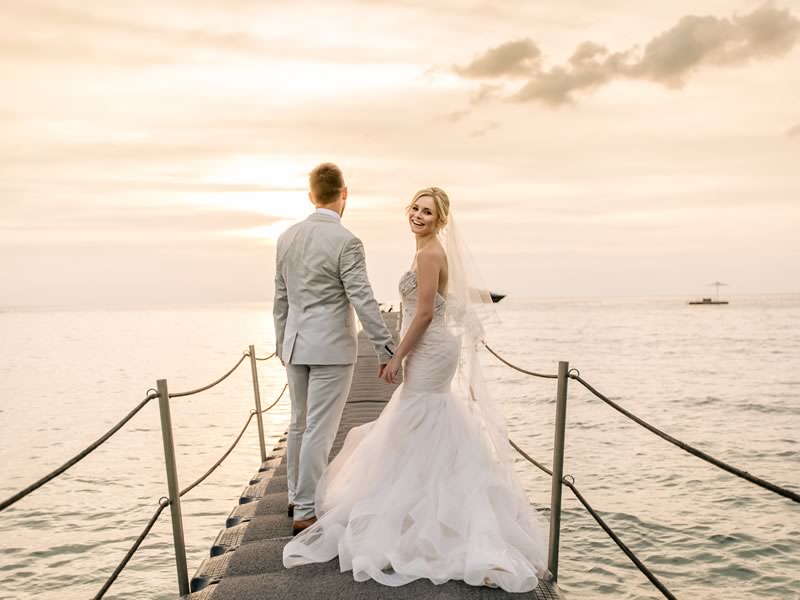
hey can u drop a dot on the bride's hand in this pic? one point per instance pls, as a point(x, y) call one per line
point(391, 370)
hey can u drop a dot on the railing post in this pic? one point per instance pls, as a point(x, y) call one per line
point(558, 467)
point(257, 394)
point(174, 490)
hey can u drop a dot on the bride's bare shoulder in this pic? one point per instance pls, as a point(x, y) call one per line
point(433, 254)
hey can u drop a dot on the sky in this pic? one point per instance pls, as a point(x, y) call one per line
point(152, 152)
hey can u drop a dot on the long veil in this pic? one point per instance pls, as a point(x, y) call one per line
point(469, 309)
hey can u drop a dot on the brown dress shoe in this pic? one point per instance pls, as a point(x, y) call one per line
point(290, 510)
point(298, 526)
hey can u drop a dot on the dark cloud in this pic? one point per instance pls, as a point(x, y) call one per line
point(512, 59)
point(765, 33)
point(793, 131)
point(668, 59)
point(589, 68)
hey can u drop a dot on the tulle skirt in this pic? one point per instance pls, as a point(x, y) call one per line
point(421, 493)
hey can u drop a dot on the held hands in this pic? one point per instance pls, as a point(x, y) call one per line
point(390, 371)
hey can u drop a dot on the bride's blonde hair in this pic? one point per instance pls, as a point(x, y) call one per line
point(440, 200)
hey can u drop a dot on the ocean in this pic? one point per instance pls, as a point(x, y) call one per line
point(722, 378)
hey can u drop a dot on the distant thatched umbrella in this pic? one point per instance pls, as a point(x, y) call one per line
point(717, 284)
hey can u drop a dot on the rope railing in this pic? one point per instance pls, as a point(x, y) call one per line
point(529, 458)
point(213, 383)
point(516, 368)
point(283, 391)
point(622, 546)
point(163, 395)
point(164, 502)
point(686, 447)
point(575, 375)
point(610, 532)
point(564, 375)
point(151, 394)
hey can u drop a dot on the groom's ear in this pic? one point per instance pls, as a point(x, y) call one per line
point(344, 193)
point(311, 199)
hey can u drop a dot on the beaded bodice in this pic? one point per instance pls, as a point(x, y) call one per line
point(408, 293)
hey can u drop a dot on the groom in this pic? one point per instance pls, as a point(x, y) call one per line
point(320, 277)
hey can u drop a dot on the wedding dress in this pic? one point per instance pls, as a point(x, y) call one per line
point(426, 490)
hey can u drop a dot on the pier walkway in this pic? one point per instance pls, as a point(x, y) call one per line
point(246, 558)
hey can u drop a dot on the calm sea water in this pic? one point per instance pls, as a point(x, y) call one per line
point(722, 378)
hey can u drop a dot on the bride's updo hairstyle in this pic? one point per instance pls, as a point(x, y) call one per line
point(440, 200)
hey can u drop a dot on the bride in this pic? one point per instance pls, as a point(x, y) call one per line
point(428, 490)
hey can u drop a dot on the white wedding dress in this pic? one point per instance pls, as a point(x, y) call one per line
point(422, 492)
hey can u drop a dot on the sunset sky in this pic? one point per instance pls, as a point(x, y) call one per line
point(151, 152)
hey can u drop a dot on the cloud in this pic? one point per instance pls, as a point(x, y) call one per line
point(485, 93)
point(127, 224)
point(512, 59)
point(667, 59)
point(588, 68)
point(482, 131)
point(71, 33)
point(793, 131)
point(456, 115)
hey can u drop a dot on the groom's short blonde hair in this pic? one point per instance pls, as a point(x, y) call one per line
point(326, 183)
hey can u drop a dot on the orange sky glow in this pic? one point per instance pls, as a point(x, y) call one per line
point(588, 148)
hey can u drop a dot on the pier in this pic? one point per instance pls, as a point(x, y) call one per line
point(246, 561)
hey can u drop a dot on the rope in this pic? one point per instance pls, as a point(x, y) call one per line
point(530, 459)
point(516, 368)
point(210, 385)
point(628, 552)
point(151, 394)
point(162, 504)
point(167, 501)
point(690, 449)
point(213, 468)
point(273, 355)
point(283, 391)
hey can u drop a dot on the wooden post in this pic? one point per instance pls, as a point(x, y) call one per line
point(174, 490)
point(558, 467)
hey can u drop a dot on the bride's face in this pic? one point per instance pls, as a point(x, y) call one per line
point(422, 216)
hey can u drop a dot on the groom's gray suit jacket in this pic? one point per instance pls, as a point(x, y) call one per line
point(321, 276)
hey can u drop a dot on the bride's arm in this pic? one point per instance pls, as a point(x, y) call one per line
point(428, 266)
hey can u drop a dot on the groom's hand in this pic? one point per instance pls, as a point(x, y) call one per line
point(380, 370)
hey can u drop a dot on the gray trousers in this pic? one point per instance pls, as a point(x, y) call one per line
point(319, 393)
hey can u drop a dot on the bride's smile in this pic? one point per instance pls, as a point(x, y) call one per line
point(423, 216)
